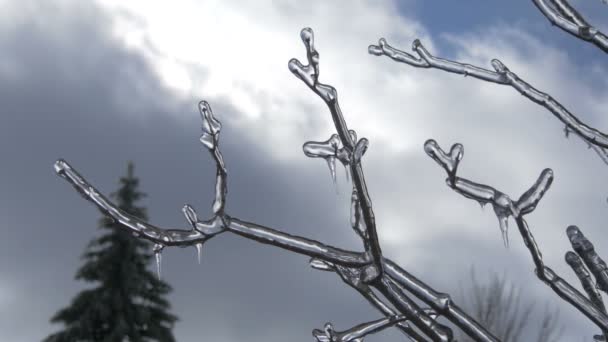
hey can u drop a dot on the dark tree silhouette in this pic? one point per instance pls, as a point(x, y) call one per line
point(128, 300)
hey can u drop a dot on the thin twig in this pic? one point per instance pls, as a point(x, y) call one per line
point(500, 75)
point(564, 16)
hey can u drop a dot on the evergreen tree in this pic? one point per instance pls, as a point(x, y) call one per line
point(128, 303)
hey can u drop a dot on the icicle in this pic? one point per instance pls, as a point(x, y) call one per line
point(199, 250)
point(159, 257)
point(346, 167)
point(503, 221)
point(319, 264)
point(331, 163)
point(481, 204)
point(158, 248)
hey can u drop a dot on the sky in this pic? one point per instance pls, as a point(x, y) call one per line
point(100, 83)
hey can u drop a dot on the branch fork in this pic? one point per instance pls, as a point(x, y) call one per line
point(505, 207)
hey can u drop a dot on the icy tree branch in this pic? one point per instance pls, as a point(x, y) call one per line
point(564, 16)
point(505, 207)
point(500, 75)
point(380, 281)
point(354, 150)
point(584, 248)
point(356, 333)
point(588, 284)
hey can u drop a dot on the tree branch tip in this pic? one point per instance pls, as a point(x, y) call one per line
point(375, 50)
point(320, 265)
point(190, 214)
point(499, 66)
point(572, 259)
point(294, 66)
point(416, 44)
point(572, 231)
point(202, 104)
point(307, 35)
point(61, 166)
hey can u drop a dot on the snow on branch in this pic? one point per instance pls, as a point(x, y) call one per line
point(564, 16)
point(505, 207)
point(500, 75)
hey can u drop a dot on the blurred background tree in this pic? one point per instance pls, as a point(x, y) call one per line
point(498, 305)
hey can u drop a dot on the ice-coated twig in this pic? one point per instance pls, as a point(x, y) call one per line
point(587, 282)
point(501, 203)
point(584, 248)
point(583, 275)
point(352, 277)
point(204, 230)
point(199, 233)
point(309, 74)
point(441, 303)
point(356, 333)
point(564, 16)
point(500, 75)
point(210, 138)
point(505, 207)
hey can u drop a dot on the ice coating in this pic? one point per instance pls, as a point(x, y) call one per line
point(332, 149)
point(585, 249)
point(355, 215)
point(528, 201)
point(321, 265)
point(500, 75)
point(448, 161)
point(587, 282)
point(356, 333)
point(210, 139)
point(210, 124)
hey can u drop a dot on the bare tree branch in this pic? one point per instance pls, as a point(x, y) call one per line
point(356, 333)
point(505, 207)
point(309, 74)
point(588, 284)
point(500, 75)
point(564, 16)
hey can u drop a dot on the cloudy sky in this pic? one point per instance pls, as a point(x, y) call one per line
point(101, 83)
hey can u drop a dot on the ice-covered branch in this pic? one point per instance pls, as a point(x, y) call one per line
point(584, 248)
point(505, 207)
point(436, 331)
point(500, 75)
point(564, 16)
point(203, 230)
point(352, 277)
point(309, 74)
point(501, 203)
point(199, 233)
point(442, 303)
point(356, 333)
point(587, 282)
